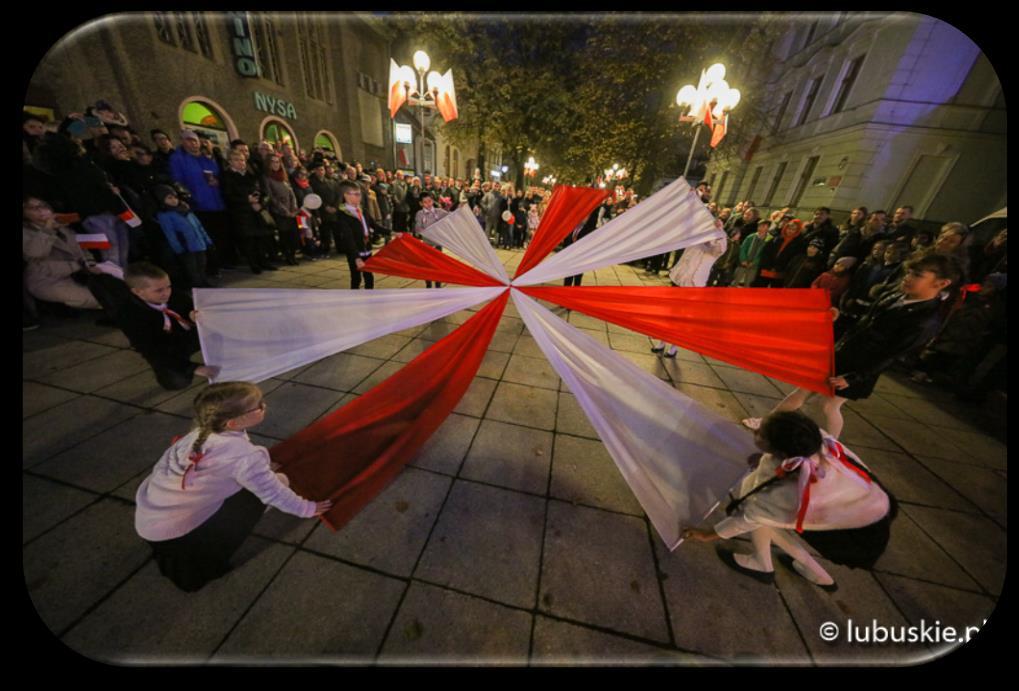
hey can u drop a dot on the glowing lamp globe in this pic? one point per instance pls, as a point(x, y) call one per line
point(421, 61)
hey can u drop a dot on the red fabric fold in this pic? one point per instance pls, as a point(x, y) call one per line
point(567, 208)
point(783, 333)
point(410, 258)
point(354, 453)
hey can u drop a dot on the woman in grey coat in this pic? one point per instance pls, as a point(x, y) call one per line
point(283, 207)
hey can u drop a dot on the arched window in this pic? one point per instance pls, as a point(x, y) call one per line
point(325, 140)
point(204, 115)
point(278, 132)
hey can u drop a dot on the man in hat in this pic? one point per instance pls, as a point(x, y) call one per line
point(200, 176)
point(329, 191)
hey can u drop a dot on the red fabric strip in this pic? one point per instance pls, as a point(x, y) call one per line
point(410, 258)
point(784, 333)
point(568, 207)
point(352, 454)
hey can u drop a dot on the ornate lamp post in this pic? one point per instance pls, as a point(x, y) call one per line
point(434, 92)
point(710, 100)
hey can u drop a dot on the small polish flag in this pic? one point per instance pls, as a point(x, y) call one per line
point(130, 218)
point(93, 241)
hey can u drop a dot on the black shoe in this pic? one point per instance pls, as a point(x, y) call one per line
point(727, 558)
point(672, 354)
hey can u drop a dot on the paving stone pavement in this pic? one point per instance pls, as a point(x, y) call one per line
point(510, 540)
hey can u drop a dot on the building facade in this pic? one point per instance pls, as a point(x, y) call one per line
point(879, 111)
point(317, 80)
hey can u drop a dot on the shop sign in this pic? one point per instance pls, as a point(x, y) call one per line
point(275, 106)
point(404, 134)
point(243, 48)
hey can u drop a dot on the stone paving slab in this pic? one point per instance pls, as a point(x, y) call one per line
point(973, 541)
point(858, 432)
point(911, 552)
point(746, 382)
point(293, 406)
point(692, 373)
point(97, 373)
point(531, 372)
point(113, 457)
point(978, 449)
point(527, 347)
point(36, 398)
point(493, 364)
point(477, 397)
point(584, 473)
point(503, 342)
point(144, 391)
point(926, 603)
point(381, 374)
point(69, 424)
point(436, 626)
point(71, 567)
point(487, 542)
point(860, 598)
point(647, 362)
point(38, 364)
point(949, 414)
point(702, 593)
point(182, 403)
point(410, 351)
point(149, 620)
point(337, 613)
point(571, 419)
point(382, 348)
point(437, 330)
point(558, 643)
point(447, 448)
point(877, 405)
point(523, 405)
point(984, 488)
point(598, 568)
point(722, 402)
point(45, 503)
point(917, 439)
point(911, 482)
point(510, 456)
point(390, 532)
point(341, 372)
point(636, 344)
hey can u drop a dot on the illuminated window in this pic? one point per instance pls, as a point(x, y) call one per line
point(847, 84)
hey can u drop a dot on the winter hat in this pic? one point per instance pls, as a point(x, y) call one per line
point(188, 134)
point(816, 242)
point(161, 192)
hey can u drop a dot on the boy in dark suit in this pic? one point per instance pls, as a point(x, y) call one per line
point(897, 323)
point(356, 232)
point(153, 321)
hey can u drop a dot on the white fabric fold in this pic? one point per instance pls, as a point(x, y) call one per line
point(462, 235)
point(256, 333)
point(672, 218)
point(678, 457)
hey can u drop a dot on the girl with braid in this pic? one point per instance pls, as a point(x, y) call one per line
point(208, 490)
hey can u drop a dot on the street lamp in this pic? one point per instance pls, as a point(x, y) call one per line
point(710, 100)
point(548, 180)
point(615, 173)
point(531, 167)
point(434, 92)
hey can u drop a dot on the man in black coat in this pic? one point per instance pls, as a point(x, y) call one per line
point(823, 228)
point(899, 322)
point(329, 191)
point(242, 192)
point(356, 231)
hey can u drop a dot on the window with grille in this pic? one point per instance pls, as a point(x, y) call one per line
point(801, 185)
point(847, 84)
point(202, 34)
point(808, 102)
point(266, 48)
point(187, 41)
point(775, 183)
point(781, 111)
point(313, 60)
point(753, 182)
point(164, 27)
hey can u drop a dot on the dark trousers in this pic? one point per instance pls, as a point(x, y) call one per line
point(257, 250)
point(192, 560)
point(573, 280)
point(176, 371)
point(289, 239)
point(355, 276)
point(217, 224)
point(400, 221)
point(194, 268)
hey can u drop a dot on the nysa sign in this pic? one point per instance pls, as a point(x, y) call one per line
point(275, 106)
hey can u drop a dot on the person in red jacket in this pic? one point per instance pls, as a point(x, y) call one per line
point(778, 253)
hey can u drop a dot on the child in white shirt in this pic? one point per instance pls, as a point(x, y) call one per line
point(208, 490)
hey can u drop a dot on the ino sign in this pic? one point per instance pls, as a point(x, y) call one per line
point(243, 48)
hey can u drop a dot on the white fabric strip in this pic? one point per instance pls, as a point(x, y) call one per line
point(670, 219)
point(462, 235)
point(257, 333)
point(678, 457)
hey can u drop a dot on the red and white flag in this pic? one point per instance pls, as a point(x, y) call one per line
point(93, 241)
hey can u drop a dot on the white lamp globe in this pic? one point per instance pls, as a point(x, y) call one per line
point(421, 61)
point(406, 74)
point(686, 95)
point(732, 99)
point(716, 72)
point(434, 80)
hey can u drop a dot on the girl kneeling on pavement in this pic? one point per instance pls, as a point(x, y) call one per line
point(208, 491)
point(806, 482)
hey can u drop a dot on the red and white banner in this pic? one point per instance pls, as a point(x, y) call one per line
point(678, 457)
point(669, 219)
point(256, 333)
point(93, 241)
point(459, 232)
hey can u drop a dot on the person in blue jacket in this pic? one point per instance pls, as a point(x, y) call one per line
point(185, 235)
point(201, 176)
